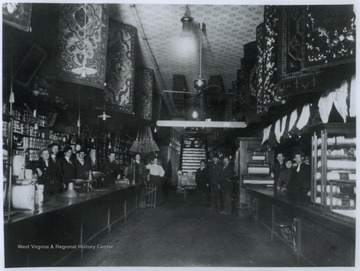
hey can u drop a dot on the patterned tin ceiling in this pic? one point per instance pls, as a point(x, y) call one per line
point(228, 28)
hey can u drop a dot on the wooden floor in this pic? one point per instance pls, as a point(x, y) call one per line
point(186, 234)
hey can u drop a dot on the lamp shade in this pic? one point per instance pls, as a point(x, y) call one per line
point(70, 193)
point(186, 21)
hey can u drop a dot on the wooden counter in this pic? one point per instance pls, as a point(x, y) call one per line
point(317, 238)
point(66, 225)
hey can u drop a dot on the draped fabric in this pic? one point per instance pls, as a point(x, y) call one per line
point(340, 100)
point(82, 42)
point(266, 134)
point(17, 15)
point(352, 109)
point(146, 93)
point(293, 118)
point(337, 98)
point(120, 67)
point(325, 104)
point(280, 126)
point(304, 117)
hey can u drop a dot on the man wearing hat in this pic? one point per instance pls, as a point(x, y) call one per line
point(82, 165)
point(48, 174)
point(55, 151)
point(55, 156)
point(215, 177)
point(67, 166)
point(111, 169)
point(300, 181)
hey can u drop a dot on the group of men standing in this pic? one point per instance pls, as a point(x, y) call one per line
point(56, 169)
point(292, 175)
point(218, 178)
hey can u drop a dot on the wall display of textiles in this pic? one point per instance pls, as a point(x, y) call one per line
point(314, 37)
point(330, 35)
point(248, 66)
point(120, 67)
point(268, 91)
point(237, 101)
point(146, 83)
point(260, 59)
point(82, 45)
point(17, 15)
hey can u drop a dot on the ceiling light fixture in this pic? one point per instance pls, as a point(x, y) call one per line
point(186, 21)
point(200, 83)
point(201, 124)
point(195, 114)
point(84, 71)
point(104, 116)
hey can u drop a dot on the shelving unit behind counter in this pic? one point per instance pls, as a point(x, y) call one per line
point(334, 169)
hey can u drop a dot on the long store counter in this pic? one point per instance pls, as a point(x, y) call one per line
point(64, 226)
point(318, 238)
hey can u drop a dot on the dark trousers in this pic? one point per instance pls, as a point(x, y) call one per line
point(203, 195)
point(226, 193)
point(215, 197)
point(157, 181)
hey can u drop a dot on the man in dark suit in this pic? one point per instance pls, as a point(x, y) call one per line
point(55, 157)
point(67, 166)
point(226, 183)
point(82, 166)
point(300, 181)
point(48, 174)
point(111, 169)
point(215, 178)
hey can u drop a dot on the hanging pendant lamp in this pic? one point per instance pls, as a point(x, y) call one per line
point(84, 71)
point(200, 83)
point(104, 116)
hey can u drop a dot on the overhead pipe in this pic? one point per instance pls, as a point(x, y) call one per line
point(169, 103)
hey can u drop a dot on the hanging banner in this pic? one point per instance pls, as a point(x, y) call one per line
point(17, 15)
point(82, 39)
point(146, 83)
point(120, 67)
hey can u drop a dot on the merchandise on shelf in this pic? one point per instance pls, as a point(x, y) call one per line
point(334, 170)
